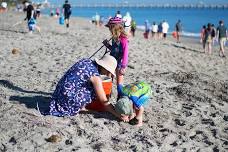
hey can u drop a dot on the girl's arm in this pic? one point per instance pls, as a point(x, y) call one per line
point(106, 43)
point(124, 42)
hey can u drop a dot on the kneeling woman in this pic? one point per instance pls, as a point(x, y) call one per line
point(81, 85)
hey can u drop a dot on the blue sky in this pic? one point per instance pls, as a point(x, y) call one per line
point(140, 1)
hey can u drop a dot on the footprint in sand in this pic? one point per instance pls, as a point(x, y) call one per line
point(179, 122)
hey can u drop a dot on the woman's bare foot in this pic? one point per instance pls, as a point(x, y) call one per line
point(84, 109)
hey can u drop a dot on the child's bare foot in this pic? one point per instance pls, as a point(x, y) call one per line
point(140, 123)
point(136, 122)
point(132, 116)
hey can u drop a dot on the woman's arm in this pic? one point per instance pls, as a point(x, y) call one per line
point(97, 84)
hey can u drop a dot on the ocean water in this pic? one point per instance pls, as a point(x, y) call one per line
point(192, 18)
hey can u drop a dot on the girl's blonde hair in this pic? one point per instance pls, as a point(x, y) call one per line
point(117, 30)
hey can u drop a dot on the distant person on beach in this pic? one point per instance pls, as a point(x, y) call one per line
point(3, 7)
point(31, 16)
point(133, 99)
point(102, 20)
point(32, 25)
point(208, 39)
point(25, 6)
point(202, 32)
point(19, 7)
point(57, 12)
point(35, 11)
point(127, 23)
point(165, 28)
point(119, 47)
point(118, 14)
point(97, 19)
point(147, 29)
point(160, 33)
point(213, 34)
point(38, 11)
point(51, 12)
point(133, 27)
point(154, 30)
point(67, 13)
point(178, 29)
point(81, 85)
point(222, 37)
point(29, 12)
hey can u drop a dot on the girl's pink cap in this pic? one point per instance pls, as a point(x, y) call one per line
point(114, 20)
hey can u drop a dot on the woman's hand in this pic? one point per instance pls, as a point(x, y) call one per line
point(124, 118)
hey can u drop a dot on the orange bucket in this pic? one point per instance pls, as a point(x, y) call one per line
point(146, 35)
point(174, 34)
point(96, 105)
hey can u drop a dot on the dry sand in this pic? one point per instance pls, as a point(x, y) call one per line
point(188, 112)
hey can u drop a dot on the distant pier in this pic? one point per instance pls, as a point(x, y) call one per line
point(188, 6)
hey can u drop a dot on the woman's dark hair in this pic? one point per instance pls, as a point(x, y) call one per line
point(209, 26)
point(220, 22)
point(204, 27)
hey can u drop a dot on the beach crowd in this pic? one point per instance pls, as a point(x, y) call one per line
point(210, 34)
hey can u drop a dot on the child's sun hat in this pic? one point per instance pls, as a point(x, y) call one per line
point(114, 20)
point(124, 106)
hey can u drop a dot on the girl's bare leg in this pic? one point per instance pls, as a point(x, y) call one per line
point(209, 48)
point(119, 77)
point(139, 116)
point(38, 28)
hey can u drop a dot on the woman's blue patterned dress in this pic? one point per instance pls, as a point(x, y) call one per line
point(74, 90)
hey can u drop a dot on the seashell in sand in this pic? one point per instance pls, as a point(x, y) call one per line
point(15, 51)
point(54, 139)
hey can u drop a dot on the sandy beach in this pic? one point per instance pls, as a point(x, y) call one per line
point(187, 113)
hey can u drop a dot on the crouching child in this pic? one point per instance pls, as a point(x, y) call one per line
point(133, 98)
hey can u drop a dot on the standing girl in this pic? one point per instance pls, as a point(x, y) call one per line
point(208, 39)
point(147, 29)
point(119, 47)
point(202, 32)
